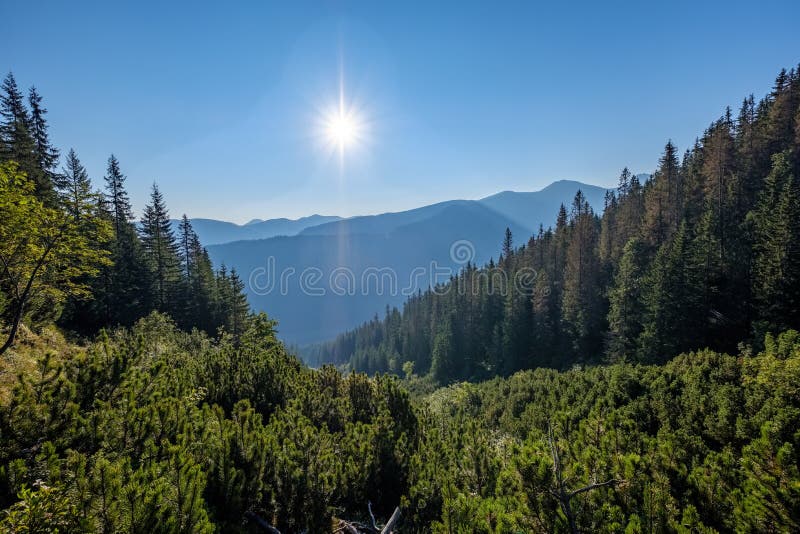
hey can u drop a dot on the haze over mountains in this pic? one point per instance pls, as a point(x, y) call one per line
point(213, 232)
point(328, 277)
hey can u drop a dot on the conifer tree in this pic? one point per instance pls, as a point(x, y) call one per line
point(46, 154)
point(673, 317)
point(581, 297)
point(186, 235)
point(626, 306)
point(662, 207)
point(161, 252)
point(17, 143)
point(443, 357)
point(545, 318)
point(126, 286)
point(86, 206)
point(76, 188)
point(718, 173)
point(508, 244)
point(776, 276)
point(117, 196)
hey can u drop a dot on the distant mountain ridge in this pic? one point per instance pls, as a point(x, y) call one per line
point(522, 207)
point(214, 232)
point(408, 246)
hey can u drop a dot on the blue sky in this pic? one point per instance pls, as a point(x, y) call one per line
point(220, 104)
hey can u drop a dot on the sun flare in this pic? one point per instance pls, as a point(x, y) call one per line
point(343, 128)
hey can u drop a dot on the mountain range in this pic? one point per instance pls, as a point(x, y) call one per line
point(214, 232)
point(327, 277)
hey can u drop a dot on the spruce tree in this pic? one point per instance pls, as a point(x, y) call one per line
point(776, 273)
point(581, 312)
point(662, 208)
point(545, 317)
point(626, 306)
point(673, 299)
point(161, 252)
point(126, 284)
point(117, 196)
point(17, 143)
point(76, 188)
point(508, 244)
point(46, 154)
point(85, 206)
point(443, 357)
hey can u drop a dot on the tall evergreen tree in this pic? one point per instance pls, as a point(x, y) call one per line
point(581, 312)
point(443, 357)
point(672, 298)
point(46, 154)
point(662, 206)
point(776, 274)
point(17, 143)
point(161, 252)
point(76, 188)
point(626, 305)
point(126, 287)
point(117, 196)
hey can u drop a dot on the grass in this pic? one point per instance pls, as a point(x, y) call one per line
point(21, 358)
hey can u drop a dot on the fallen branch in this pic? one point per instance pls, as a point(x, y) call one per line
point(387, 528)
point(255, 518)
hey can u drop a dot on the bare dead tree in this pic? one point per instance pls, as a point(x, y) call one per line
point(561, 492)
point(354, 527)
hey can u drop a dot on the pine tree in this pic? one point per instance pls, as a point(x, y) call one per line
point(202, 289)
point(117, 196)
point(776, 273)
point(581, 296)
point(186, 235)
point(626, 306)
point(126, 286)
point(85, 206)
point(673, 317)
point(718, 172)
point(161, 252)
point(662, 206)
point(545, 317)
point(76, 188)
point(443, 364)
point(46, 154)
point(17, 143)
point(12, 104)
point(508, 244)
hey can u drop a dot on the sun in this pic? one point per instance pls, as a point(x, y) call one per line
point(342, 129)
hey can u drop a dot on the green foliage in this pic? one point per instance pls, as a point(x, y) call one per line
point(41, 263)
point(154, 429)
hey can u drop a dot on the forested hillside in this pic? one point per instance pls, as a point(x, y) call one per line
point(705, 254)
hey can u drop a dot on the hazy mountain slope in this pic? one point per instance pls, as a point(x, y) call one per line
point(534, 208)
point(380, 224)
point(374, 270)
point(212, 231)
point(389, 247)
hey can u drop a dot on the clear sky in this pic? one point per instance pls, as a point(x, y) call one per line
point(220, 102)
